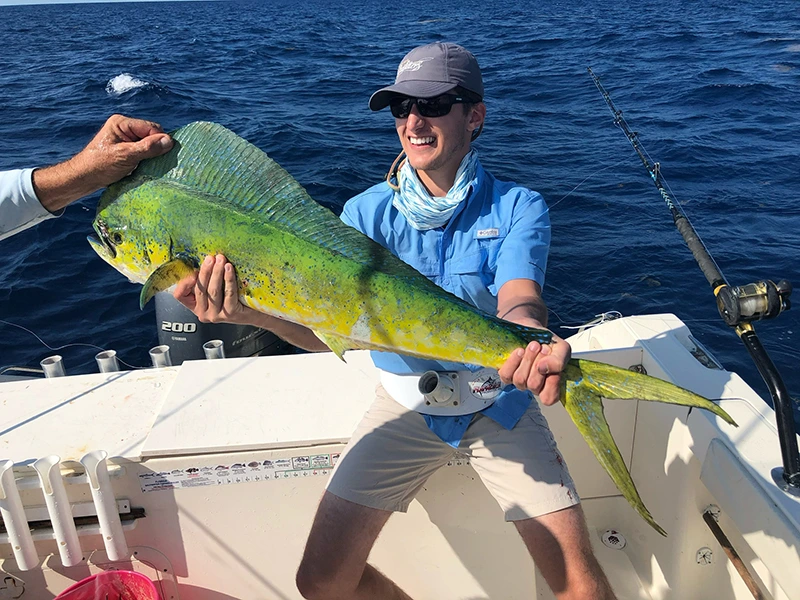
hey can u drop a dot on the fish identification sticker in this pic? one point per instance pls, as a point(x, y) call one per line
point(485, 384)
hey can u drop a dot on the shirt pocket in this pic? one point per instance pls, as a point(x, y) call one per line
point(472, 263)
point(488, 242)
point(477, 268)
point(473, 282)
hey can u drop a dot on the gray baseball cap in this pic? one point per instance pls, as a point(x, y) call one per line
point(431, 70)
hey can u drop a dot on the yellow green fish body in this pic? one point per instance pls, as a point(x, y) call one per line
point(216, 193)
point(294, 258)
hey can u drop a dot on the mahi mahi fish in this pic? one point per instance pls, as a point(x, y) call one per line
point(216, 193)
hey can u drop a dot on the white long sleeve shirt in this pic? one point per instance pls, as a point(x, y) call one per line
point(19, 206)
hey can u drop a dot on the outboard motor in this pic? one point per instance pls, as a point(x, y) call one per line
point(182, 331)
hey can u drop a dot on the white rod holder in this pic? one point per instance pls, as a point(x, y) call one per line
point(55, 496)
point(160, 357)
point(107, 361)
point(13, 513)
point(105, 504)
point(214, 349)
point(53, 366)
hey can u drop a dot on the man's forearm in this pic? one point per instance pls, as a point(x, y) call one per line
point(295, 334)
point(524, 308)
point(61, 184)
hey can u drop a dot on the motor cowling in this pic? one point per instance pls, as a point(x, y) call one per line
point(185, 334)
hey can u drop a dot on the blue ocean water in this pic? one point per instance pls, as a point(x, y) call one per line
point(712, 89)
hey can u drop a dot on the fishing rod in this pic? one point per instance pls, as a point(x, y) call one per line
point(738, 306)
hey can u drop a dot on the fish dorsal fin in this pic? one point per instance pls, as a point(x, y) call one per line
point(212, 160)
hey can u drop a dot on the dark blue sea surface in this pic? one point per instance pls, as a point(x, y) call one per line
point(712, 88)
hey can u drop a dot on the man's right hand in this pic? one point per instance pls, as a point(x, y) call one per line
point(112, 154)
point(212, 294)
point(118, 148)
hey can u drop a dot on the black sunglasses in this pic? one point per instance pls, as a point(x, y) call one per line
point(427, 107)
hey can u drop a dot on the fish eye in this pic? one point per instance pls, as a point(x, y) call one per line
point(116, 237)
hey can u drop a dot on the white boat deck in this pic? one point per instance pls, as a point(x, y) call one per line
point(229, 458)
point(69, 416)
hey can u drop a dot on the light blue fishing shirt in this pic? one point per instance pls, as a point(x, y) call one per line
point(19, 206)
point(499, 233)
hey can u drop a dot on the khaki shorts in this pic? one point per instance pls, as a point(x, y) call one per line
point(393, 452)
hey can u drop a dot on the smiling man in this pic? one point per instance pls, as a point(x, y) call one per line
point(485, 241)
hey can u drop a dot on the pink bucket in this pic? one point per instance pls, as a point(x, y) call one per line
point(112, 585)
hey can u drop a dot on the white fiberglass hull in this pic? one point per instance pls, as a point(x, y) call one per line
point(228, 459)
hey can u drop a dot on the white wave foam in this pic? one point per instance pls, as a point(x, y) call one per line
point(124, 82)
point(793, 48)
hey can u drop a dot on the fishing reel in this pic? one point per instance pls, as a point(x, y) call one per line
point(753, 302)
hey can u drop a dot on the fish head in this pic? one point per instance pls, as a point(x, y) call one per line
point(129, 233)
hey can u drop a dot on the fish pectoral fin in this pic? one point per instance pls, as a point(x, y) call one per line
point(615, 382)
point(163, 277)
point(337, 343)
point(585, 407)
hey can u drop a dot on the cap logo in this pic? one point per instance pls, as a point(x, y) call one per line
point(412, 65)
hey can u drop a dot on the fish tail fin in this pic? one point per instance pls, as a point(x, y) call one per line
point(586, 383)
point(615, 382)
